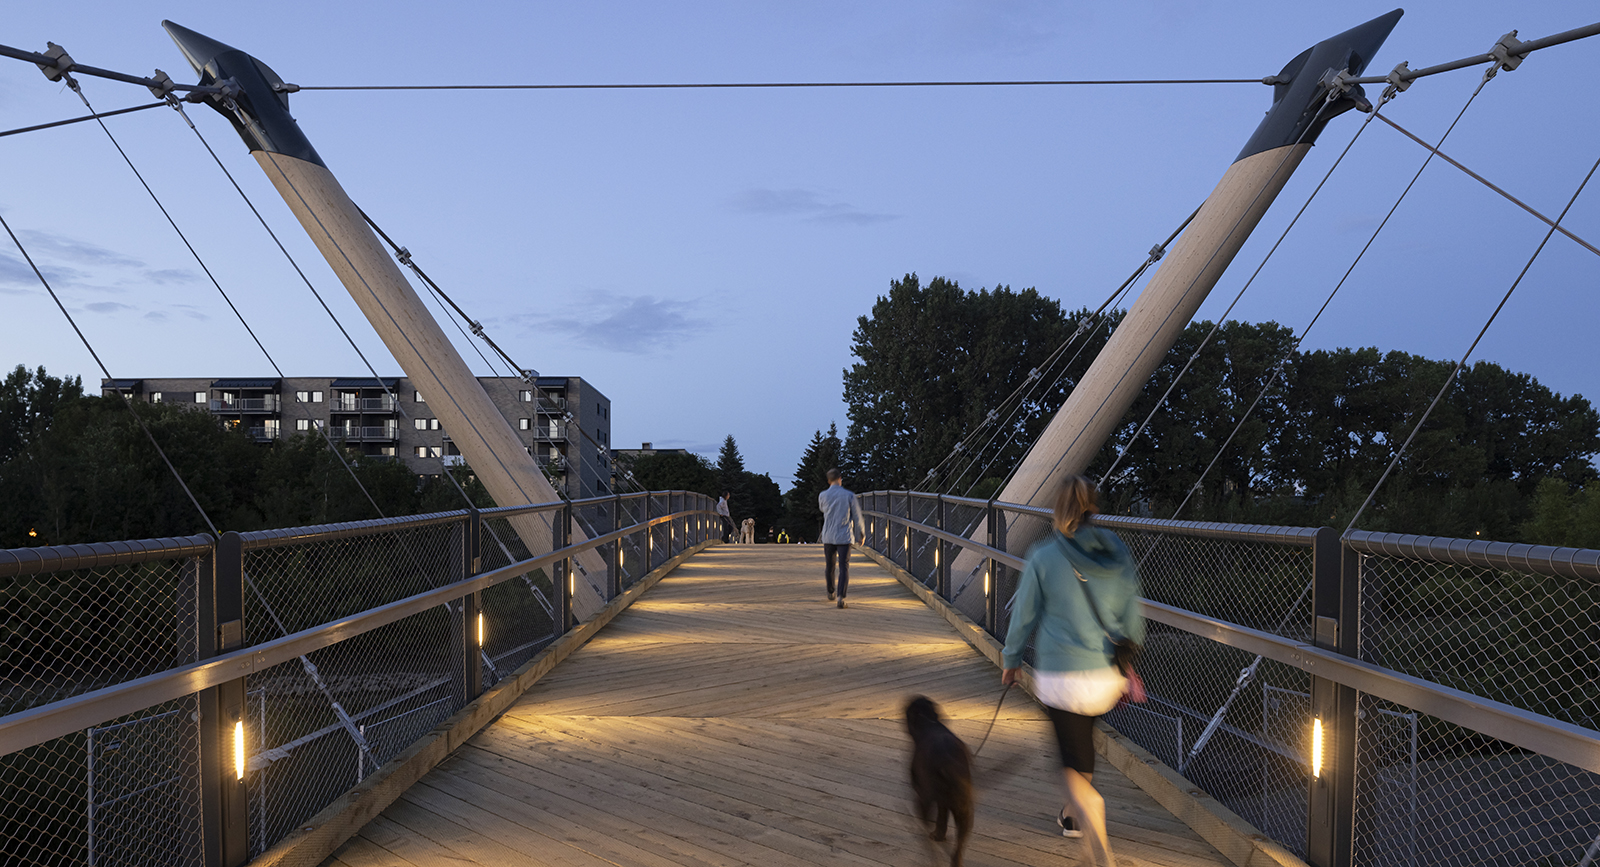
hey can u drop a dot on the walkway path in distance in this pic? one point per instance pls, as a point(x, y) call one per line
point(734, 716)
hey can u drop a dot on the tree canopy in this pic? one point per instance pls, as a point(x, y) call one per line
point(935, 360)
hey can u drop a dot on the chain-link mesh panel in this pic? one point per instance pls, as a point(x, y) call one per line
point(661, 549)
point(330, 718)
point(295, 587)
point(1235, 725)
point(125, 792)
point(74, 631)
point(1261, 585)
point(922, 564)
point(632, 561)
point(1432, 793)
point(1527, 640)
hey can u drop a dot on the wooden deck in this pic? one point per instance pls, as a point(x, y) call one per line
point(733, 716)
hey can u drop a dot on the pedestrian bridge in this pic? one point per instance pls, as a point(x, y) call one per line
point(623, 689)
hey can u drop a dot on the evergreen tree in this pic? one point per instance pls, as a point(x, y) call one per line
point(730, 467)
point(801, 516)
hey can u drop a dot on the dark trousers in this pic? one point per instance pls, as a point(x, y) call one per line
point(843, 553)
point(727, 528)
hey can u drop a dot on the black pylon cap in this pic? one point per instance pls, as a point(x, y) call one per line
point(1301, 87)
point(265, 124)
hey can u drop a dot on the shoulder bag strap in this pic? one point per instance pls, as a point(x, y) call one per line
point(1084, 583)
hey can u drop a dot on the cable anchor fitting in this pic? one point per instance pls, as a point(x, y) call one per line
point(285, 87)
point(1399, 79)
point(63, 62)
point(1505, 52)
point(475, 327)
point(1156, 254)
point(1341, 84)
point(404, 255)
point(162, 88)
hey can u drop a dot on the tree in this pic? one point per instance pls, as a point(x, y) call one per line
point(935, 360)
point(665, 471)
point(802, 518)
point(28, 404)
point(763, 500)
point(730, 466)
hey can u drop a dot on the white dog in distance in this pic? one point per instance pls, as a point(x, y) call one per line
point(747, 532)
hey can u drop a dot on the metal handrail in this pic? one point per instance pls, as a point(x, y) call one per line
point(18, 562)
point(1582, 563)
point(44, 723)
point(1567, 742)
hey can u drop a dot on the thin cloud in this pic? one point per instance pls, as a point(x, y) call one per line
point(108, 307)
point(637, 324)
point(168, 276)
point(55, 246)
point(804, 204)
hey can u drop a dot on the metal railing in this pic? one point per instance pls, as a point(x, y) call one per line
point(1457, 682)
point(195, 700)
point(361, 404)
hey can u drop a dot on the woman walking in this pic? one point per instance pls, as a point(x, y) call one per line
point(1080, 593)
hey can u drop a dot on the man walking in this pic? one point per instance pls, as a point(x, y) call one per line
point(727, 516)
point(841, 525)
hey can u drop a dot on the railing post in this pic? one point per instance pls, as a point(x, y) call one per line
point(941, 556)
point(672, 530)
point(614, 566)
point(1330, 820)
point(564, 592)
point(991, 587)
point(649, 537)
point(907, 564)
point(225, 816)
point(465, 626)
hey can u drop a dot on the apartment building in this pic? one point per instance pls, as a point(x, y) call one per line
point(564, 421)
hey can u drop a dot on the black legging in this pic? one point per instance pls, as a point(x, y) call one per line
point(1075, 739)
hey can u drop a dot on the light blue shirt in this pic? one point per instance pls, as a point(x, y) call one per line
point(841, 517)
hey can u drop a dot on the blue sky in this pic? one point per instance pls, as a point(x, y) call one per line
point(702, 256)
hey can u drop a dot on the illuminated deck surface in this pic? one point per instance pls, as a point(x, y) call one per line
point(734, 716)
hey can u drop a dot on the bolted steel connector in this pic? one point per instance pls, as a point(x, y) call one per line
point(63, 62)
point(163, 85)
point(1399, 78)
point(1506, 52)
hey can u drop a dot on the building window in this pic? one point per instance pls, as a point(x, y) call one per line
point(419, 423)
point(525, 423)
point(155, 397)
point(429, 452)
point(525, 396)
point(302, 424)
point(316, 397)
point(418, 396)
point(302, 397)
point(201, 396)
point(433, 424)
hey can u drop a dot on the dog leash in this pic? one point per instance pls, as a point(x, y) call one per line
point(991, 720)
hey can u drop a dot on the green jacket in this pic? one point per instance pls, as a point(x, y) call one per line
point(1051, 600)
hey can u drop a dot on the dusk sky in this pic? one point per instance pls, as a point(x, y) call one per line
point(701, 256)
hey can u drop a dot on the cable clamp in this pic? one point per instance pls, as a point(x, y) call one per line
point(1032, 375)
point(63, 62)
point(162, 87)
point(1505, 52)
point(1399, 78)
point(1340, 83)
point(476, 327)
point(285, 87)
point(1275, 80)
point(991, 417)
point(528, 376)
point(1156, 253)
point(404, 255)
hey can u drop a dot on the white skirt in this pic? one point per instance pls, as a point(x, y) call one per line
point(1089, 693)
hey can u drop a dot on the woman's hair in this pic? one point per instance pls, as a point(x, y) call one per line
point(1075, 502)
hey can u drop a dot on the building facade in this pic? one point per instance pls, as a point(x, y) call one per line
point(564, 421)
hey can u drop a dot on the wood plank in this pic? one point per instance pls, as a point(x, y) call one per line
point(733, 716)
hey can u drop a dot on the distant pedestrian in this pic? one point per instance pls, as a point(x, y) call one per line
point(783, 537)
point(727, 516)
point(841, 525)
point(1080, 591)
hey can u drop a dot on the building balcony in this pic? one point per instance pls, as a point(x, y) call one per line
point(362, 404)
point(267, 403)
point(262, 434)
point(365, 434)
point(548, 404)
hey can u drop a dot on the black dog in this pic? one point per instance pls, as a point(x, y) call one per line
point(941, 774)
